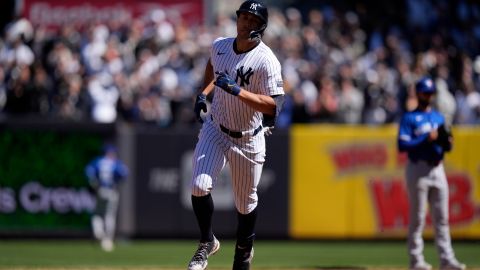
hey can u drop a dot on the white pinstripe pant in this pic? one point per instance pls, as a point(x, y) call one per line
point(245, 156)
point(428, 184)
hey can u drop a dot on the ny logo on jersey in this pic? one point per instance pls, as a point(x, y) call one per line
point(244, 76)
point(253, 6)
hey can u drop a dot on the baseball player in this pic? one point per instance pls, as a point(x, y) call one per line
point(245, 78)
point(423, 136)
point(104, 173)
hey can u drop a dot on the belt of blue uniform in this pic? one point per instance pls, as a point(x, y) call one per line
point(237, 134)
point(429, 162)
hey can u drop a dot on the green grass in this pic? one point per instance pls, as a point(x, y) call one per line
point(69, 254)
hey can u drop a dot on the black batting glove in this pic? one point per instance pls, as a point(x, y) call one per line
point(228, 84)
point(200, 105)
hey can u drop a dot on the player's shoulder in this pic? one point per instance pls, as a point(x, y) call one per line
point(436, 112)
point(412, 113)
point(222, 44)
point(410, 116)
point(222, 41)
point(437, 115)
point(266, 51)
point(95, 161)
point(267, 54)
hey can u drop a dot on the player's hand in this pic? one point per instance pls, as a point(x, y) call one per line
point(445, 137)
point(93, 187)
point(228, 84)
point(433, 135)
point(200, 105)
point(267, 131)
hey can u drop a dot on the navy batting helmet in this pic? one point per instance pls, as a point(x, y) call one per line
point(255, 7)
point(425, 85)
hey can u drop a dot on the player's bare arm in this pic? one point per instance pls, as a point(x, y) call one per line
point(201, 99)
point(261, 103)
point(208, 79)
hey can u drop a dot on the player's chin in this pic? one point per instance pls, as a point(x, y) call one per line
point(243, 35)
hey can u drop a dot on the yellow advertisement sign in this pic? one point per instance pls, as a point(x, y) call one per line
point(349, 182)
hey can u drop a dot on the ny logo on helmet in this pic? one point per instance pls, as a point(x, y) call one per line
point(253, 6)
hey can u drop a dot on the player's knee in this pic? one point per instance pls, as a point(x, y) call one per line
point(201, 185)
point(246, 204)
point(441, 221)
point(199, 190)
point(417, 223)
point(247, 207)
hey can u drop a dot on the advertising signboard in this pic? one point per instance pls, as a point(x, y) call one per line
point(43, 190)
point(348, 182)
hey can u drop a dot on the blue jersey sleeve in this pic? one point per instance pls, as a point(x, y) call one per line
point(121, 171)
point(406, 139)
point(91, 171)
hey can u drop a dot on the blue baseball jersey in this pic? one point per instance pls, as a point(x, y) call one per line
point(106, 172)
point(414, 130)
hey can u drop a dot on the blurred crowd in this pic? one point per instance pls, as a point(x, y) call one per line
point(336, 70)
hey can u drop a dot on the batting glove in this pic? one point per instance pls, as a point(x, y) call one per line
point(228, 84)
point(200, 105)
point(267, 131)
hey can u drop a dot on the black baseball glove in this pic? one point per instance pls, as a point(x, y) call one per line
point(445, 137)
point(93, 187)
point(227, 83)
point(200, 105)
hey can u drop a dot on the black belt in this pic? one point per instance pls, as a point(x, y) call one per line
point(237, 134)
point(429, 162)
point(433, 162)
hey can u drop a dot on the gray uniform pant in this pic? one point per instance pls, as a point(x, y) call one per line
point(427, 185)
point(104, 218)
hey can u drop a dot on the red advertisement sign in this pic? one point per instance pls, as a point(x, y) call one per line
point(58, 12)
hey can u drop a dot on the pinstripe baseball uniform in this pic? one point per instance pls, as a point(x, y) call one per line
point(259, 71)
point(245, 78)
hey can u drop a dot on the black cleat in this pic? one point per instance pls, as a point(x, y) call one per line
point(199, 260)
point(243, 258)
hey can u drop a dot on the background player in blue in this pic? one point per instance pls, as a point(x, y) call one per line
point(246, 79)
point(426, 180)
point(104, 174)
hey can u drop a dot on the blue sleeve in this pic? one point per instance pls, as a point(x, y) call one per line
point(408, 145)
point(91, 172)
point(441, 119)
point(121, 170)
point(406, 140)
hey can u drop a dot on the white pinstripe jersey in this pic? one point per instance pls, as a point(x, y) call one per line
point(257, 71)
